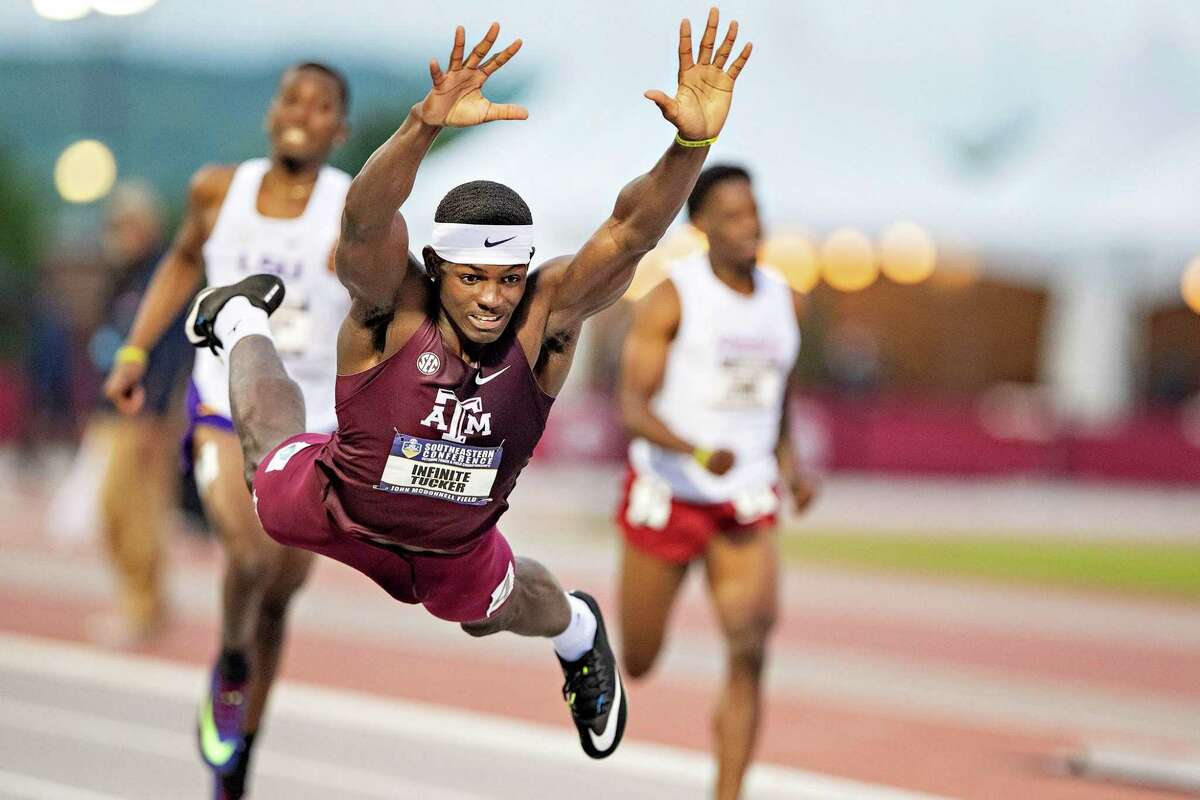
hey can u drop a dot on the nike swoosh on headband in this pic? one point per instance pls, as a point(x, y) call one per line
point(490, 243)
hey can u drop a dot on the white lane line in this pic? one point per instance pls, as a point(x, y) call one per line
point(1172, 772)
point(155, 741)
point(24, 787)
point(404, 718)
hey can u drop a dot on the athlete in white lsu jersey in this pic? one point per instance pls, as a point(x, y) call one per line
point(704, 392)
point(244, 242)
point(279, 215)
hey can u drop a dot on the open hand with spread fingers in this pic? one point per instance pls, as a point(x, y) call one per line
point(701, 102)
point(456, 99)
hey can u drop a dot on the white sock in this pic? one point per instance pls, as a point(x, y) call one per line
point(236, 320)
point(580, 635)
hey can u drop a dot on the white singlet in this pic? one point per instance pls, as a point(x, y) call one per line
point(724, 387)
point(299, 251)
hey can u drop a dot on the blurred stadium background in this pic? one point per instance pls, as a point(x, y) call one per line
point(992, 209)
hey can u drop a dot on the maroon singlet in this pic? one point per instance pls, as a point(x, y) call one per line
point(427, 447)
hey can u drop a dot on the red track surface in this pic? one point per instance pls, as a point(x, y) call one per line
point(950, 754)
point(961, 760)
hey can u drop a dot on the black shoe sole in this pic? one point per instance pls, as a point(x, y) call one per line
point(263, 291)
point(585, 732)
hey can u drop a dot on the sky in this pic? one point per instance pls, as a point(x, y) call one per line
point(1002, 121)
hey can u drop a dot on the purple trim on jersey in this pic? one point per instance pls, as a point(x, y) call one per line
point(194, 418)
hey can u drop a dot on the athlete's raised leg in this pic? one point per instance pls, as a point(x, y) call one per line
point(649, 587)
point(743, 576)
point(267, 405)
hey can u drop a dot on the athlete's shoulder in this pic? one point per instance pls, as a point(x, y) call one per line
point(210, 184)
point(660, 309)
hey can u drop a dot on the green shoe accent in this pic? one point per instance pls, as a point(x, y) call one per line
point(215, 750)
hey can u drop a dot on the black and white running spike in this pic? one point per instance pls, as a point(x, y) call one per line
point(264, 291)
point(594, 692)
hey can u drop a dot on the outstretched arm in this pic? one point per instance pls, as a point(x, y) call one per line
point(601, 271)
point(176, 278)
point(372, 254)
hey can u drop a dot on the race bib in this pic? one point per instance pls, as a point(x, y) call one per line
point(748, 383)
point(446, 470)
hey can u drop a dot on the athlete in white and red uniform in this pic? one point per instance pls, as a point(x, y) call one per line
point(447, 372)
point(704, 392)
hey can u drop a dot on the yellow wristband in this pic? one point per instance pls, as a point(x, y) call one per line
point(682, 142)
point(701, 456)
point(131, 354)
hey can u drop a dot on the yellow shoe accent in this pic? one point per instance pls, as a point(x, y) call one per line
point(215, 750)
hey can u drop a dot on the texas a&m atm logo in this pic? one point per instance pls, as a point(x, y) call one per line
point(466, 417)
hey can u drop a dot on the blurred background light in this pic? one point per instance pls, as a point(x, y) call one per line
point(85, 172)
point(121, 8)
point(684, 242)
point(956, 269)
point(848, 260)
point(793, 255)
point(1189, 284)
point(907, 253)
point(62, 10)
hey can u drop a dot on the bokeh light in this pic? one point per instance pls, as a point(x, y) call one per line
point(958, 268)
point(907, 253)
point(848, 260)
point(62, 10)
point(1189, 285)
point(85, 172)
point(121, 8)
point(683, 242)
point(794, 256)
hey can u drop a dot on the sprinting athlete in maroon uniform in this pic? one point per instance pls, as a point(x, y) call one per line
point(447, 371)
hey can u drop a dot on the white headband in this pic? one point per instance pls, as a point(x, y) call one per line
point(483, 244)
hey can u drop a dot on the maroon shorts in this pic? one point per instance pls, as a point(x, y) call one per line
point(679, 531)
point(289, 491)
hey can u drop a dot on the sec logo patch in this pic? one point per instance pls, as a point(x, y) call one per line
point(428, 363)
